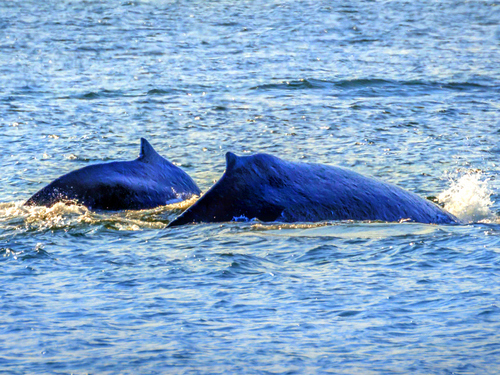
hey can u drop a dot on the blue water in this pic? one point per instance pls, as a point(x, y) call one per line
point(405, 91)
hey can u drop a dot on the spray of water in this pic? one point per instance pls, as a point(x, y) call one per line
point(469, 197)
point(14, 215)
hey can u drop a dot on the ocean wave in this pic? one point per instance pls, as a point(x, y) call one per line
point(361, 83)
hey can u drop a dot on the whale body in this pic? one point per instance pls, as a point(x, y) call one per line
point(266, 188)
point(147, 182)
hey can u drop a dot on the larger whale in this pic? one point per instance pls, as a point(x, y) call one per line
point(147, 182)
point(266, 188)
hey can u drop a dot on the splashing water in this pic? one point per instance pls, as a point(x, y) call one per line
point(468, 198)
point(65, 216)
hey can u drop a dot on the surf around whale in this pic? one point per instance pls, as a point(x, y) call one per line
point(267, 188)
point(147, 182)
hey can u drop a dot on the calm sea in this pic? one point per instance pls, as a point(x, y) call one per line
point(405, 91)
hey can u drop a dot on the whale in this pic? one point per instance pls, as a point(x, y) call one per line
point(146, 182)
point(266, 188)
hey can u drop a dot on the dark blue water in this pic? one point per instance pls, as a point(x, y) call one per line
point(408, 92)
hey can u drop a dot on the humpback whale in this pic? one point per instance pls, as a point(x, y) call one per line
point(147, 182)
point(267, 188)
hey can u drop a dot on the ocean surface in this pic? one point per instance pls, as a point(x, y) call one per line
point(406, 91)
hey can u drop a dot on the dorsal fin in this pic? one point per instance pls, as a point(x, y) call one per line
point(231, 160)
point(148, 153)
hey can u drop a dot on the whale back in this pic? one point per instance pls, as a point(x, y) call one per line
point(267, 188)
point(147, 182)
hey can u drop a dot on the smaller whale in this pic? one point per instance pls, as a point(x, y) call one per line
point(147, 182)
point(267, 188)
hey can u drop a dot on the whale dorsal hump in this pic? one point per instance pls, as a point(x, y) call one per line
point(148, 153)
point(231, 160)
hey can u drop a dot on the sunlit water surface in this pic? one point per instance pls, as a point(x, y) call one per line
point(408, 92)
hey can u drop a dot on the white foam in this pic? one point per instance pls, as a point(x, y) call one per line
point(39, 217)
point(64, 216)
point(469, 197)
